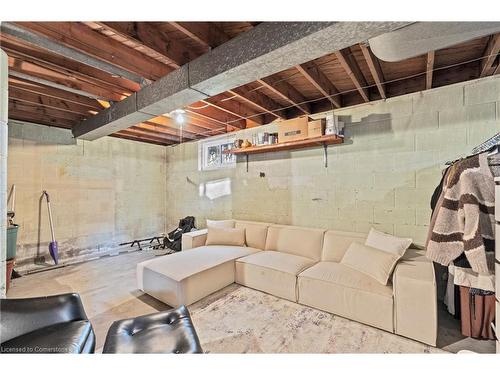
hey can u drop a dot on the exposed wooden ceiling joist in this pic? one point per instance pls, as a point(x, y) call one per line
point(429, 70)
point(151, 39)
point(317, 78)
point(351, 68)
point(287, 92)
point(256, 53)
point(22, 115)
point(80, 37)
point(151, 126)
point(192, 125)
point(375, 69)
point(134, 136)
point(51, 92)
point(233, 108)
point(259, 101)
point(20, 32)
point(204, 33)
point(491, 52)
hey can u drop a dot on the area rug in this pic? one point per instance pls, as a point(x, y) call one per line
point(241, 320)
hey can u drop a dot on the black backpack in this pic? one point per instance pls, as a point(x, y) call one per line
point(173, 240)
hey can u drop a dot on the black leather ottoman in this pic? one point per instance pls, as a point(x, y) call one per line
point(52, 324)
point(169, 331)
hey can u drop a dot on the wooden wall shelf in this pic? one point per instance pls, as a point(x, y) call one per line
point(325, 141)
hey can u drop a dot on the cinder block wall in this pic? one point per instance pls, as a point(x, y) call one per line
point(383, 176)
point(4, 105)
point(102, 192)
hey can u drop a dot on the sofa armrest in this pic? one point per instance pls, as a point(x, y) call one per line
point(19, 316)
point(415, 298)
point(197, 238)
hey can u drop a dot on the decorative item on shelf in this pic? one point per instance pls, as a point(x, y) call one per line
point(334, 126)
point(246, 143)
point(237, 143)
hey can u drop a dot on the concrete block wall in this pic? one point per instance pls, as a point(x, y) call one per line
point(382, 177)
point(102, 192)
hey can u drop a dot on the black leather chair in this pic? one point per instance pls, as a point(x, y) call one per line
point(169, 331)
point(52, 324)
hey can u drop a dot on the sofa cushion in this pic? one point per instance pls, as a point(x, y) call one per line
point(180, 265)
point(335, 244)
point(225, 236)
point(255, 233)
point(188, 276)
point(387, 242)
point(375, 263)
point(272, 272)
point(339, 289)
point(305, 242)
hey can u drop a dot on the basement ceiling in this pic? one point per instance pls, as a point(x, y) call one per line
point(115, 59)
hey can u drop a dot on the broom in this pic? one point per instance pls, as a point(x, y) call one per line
point(53, 244)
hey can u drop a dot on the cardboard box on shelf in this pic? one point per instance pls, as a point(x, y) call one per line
point(316, 128)
point(292, 130)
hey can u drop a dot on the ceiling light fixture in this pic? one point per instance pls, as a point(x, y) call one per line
point(178, 115)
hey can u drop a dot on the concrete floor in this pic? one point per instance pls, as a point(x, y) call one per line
point(108, 290)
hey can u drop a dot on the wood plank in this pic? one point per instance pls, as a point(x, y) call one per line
point(51, 92)
point(351, 67)
point(294, 145)
point(162, 129)
point(374, 67)
point(287, 92)
point(49, 102)
point(490, 54)
point(82, 38)
point(35, 70)
point(259, 101)
point(143, 130)
point(206, 34)
point(36, 118)
point(152, 39)
point(215, 117)
point(45, 111)
point(320, 81)
point(429, 70)
point(30, 53)
point(234, 108)
point(145, 135)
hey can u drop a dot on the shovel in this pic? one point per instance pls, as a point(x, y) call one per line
point(53, 244)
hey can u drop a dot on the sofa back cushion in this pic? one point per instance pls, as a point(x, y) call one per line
point(336, 244)
point(305, 242)
point(225, 236)
point(255, 233)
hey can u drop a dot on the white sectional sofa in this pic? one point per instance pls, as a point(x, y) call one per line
point(301, 265)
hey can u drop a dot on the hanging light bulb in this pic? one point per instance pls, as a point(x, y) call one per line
point(179, 116)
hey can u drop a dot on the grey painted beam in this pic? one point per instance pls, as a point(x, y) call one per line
point(269, 48)
point(70, 53)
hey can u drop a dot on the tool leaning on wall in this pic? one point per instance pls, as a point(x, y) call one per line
point(53, 250)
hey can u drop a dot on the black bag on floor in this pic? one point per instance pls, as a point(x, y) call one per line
point(173, 240)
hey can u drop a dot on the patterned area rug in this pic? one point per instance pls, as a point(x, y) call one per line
point(242, 320)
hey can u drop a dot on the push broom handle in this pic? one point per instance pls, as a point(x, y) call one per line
point(50, 215)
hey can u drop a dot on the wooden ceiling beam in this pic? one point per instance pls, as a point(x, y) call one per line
point(205, 34)
point(351, 68)
point(131, 136)
point(61, 79)
point(375, 69)
point(44, 111)
point(21, 32)
point(216, 116)
point(234, 108)
point(145, 130)
point(192, 125)
point(27, 52)
point(429, 70)
point(49, 102)
point(320, 81)
point(82, 38)
point(20, 115)
point(287, 92)
point(490, 55)
point(153, 39)
point(51, 92)
point(151, 126)
point(259, 101)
